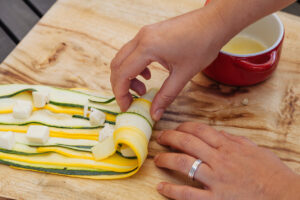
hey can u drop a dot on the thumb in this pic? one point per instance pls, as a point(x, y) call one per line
point(167, 93)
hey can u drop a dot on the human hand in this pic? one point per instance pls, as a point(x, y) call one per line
point(233, 167)
point(184, 45)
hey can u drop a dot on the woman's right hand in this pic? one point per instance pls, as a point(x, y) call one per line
point(184, 45)
point(233, 167)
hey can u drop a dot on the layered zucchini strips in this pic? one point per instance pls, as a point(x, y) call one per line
point(72, 132)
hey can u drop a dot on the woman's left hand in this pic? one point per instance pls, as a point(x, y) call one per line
point(233, 167)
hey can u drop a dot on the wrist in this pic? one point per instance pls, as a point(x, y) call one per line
point(237, 14)
point(211, 27)
point(231, 16)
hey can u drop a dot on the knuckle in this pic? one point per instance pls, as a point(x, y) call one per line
point(225, 148)
point(185, 141)
point(167, 99)
point(145, 30)
point(243, 139)
point(145, 46)
point(238, 137)
point(201, 129)
point(147, 39)
point(223, 133)
point(222, 158)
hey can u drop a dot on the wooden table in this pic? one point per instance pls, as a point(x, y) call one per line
point(72, 46)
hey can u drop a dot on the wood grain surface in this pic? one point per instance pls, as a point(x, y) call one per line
point(72, 46)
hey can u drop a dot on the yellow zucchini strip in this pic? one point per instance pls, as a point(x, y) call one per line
point(122, 164)
point(61, 109)
point(144, 100)
point(56, 132)
point(66, 152)
point(6, 110)
point(102, 177)
point(133, 129)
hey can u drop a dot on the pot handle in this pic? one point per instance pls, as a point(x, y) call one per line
point(246, 64)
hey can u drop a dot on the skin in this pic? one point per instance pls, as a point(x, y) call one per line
point(233, 167)
point(192, 44)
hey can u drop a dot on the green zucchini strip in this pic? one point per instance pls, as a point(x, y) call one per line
point(129, 130)
point(76, 148)
point(134, 113)
point(80, 106)
point(64, 171)
point(18, 92)
point(103, 102)
point(86, 118)
point(109, 100)
point(49, 125)
point(72, 147)
point(58, 95)
point(20, 152)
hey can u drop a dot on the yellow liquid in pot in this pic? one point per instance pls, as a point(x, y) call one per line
point(243, 45)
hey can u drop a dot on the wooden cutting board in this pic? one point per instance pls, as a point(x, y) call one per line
point(72, 46)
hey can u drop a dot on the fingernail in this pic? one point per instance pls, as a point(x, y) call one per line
point(159, 135)
point(157, 114)
point(156, 157)
point(160, 186)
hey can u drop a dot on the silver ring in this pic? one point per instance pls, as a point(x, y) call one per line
point(194, 168)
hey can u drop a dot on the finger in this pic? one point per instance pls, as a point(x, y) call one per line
point(187, 143)
point(123, 53)
point(183, 163)
point(167, 93)
point(183, 192)
point(238, 139)
point(146, 74)
point(121, 79)
point(137, 86)
point(206, 133)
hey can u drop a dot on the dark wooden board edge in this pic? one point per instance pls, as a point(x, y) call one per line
point(6, 45)
point(17, 17)
point(40, 6)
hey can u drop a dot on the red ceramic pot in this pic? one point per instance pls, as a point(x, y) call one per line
point(244, 70)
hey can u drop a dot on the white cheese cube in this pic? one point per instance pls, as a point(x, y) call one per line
point(97, 117)
point(37, 134)
point(7, 140)
point(40, 99)
point(22, 109)
point(107, 131)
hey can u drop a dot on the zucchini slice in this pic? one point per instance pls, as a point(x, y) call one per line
point(61, 97)
point(82, 173)
point(69, 149)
